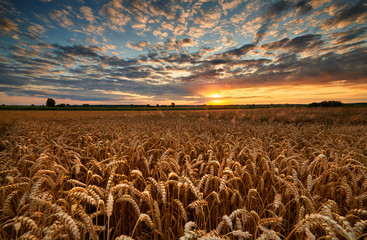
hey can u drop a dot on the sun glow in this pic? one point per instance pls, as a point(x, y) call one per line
point(216, 99)
point(216, 102)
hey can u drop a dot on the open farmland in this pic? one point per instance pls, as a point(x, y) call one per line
point(287, 173)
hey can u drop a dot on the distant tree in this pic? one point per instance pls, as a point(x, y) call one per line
point(157, 105)
point(50, 102)
point(173, 104)
point(326, 104)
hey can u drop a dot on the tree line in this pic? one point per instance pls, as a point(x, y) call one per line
point(326, 104)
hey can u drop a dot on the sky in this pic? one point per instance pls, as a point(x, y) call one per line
point(186, 52)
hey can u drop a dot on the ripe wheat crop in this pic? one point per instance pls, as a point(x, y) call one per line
point(231, 174)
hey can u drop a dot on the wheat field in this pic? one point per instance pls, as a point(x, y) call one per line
point(220, 174)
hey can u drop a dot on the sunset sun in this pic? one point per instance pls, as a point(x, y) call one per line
point(216, 99)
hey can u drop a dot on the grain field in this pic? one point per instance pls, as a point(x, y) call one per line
point(226, 174)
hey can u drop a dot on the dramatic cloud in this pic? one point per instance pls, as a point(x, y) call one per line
point(239, 51)
point(87, 13)
point(271, 15)
point(275, 12)
point(7, 26)
point(355, 13)
point(139, 46)
point(357, 34)
point(77, 50)
point(113, 12)
point(61, 17)
point(163, 51)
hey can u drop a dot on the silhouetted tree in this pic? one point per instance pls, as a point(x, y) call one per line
point(326, 104)
point(173, 104)
point(50, 102)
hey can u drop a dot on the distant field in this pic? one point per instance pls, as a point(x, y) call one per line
point(131, 108)
point(274, 173)
point(350, 115)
